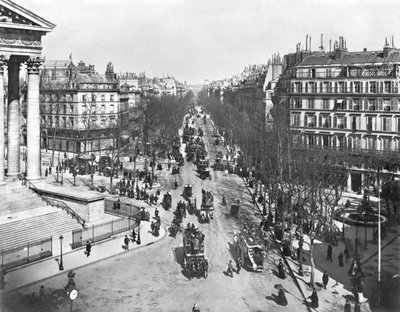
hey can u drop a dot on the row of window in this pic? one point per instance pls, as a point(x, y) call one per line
point(344, 87)
point(336, 72)
point(356, 104)
point(70, 108)
point(94, 97)
point(69, 97)
point(354, 123)
point(382, 144)
point(71, 122)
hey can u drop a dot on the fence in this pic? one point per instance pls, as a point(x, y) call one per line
point(99, 232)
point(32, 251)
point(125, 209)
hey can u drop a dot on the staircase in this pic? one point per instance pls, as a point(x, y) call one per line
point(19, 233)
point(27, 216)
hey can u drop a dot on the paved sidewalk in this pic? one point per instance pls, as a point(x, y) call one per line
point(41, 270)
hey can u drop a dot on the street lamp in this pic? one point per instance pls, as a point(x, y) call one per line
point(60, 264)
point(138, 237)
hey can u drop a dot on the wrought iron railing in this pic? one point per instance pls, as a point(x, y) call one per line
point(55, 203)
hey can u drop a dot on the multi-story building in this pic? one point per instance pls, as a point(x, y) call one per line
point(81, 110)
point(342, 99)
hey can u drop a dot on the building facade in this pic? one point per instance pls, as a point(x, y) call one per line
point(342, 99)
point(81, 111)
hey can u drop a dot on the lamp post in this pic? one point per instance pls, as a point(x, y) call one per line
point(365, 231)
point(60, 265)
point(138, 241)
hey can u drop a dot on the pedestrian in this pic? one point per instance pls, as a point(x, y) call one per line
point(229, 271)
point(126, 241)
point(42, 292)
point(357, 307)
point(355, 295)
point(329, 253)
point(347, 306)
point(46, 173)
point(325, 279)
point(340, 257)
point(88, 248)
point(238, 265)
point(195, 308)
point(314, 299)
point(281, 299)
point(361, 287)
point(346, 254)
point(50, 170)
point(281, 270)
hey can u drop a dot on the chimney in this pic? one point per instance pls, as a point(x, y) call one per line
point(310, 44)
point(322, 43)
point(330, 45)
point(387, 48)
point(306, 42)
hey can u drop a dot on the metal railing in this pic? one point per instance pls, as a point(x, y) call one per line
point(102, 231)
point(125, 209)
point(29, 252)
point(55, 203)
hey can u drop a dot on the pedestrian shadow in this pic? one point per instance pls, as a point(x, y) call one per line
point(273, 298)
point(226, 274)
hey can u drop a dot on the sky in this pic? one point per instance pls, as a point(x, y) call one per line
point(194, 40)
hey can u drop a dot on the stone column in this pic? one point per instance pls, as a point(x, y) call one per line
point(13, 117)
point(349, 188)
point(33, 120)
point(3, 63)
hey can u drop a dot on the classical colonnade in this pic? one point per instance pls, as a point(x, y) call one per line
point(13, 64)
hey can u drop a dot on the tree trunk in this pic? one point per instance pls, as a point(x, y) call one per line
point(312, 263)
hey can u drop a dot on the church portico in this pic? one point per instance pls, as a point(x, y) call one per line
point(20, 43)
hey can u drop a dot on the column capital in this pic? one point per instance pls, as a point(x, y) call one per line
point(3, 62)
point(33, 64)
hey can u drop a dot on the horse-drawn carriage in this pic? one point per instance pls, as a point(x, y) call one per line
point(188, 195)
point(176, 226)
point(249, 244)
point(175, 170)
point(167, 200)
point(206, 212)
point(187, 191)
point(202, 170)
point(194, 261)
point(180, 210)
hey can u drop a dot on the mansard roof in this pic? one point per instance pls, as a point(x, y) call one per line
point(351, 58)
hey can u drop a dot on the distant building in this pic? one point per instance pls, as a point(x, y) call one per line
point(342, 99)
point(81, 110)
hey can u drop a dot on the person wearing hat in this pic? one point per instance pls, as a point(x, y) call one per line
point(195, 308)
point(281, 270)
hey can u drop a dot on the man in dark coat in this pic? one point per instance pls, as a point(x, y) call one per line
point(340, 257)
point(314, 299)
point(88, 248)
point(347, 306)
point(281, 270)
point(281, 300)
point(329, 253)
point(325, 279)
point(126, 242)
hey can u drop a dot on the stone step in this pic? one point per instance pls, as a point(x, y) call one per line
point(21, 232)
